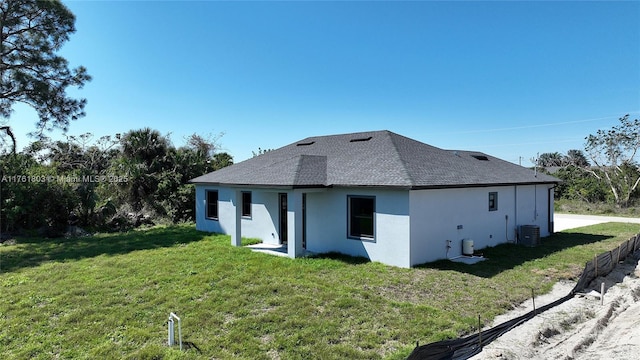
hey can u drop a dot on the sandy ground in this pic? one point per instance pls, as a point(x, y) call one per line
point(581, 328)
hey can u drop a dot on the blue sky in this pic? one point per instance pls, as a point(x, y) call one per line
point(511, 79)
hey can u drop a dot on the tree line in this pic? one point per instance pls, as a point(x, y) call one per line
point(110, 183)
point(120, 181)
point(113, 182)
point(606, 171)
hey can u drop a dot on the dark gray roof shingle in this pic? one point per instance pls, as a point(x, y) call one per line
point(378, 158)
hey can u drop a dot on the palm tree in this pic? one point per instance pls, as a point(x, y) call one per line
point(577, 158)
point(551, 159)
point(145, 146)
point(144, 155)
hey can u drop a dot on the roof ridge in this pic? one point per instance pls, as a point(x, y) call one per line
point(392, 136)
point(308, 165)
point(346, 134)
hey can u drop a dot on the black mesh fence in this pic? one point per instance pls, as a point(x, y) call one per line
point(466, 347)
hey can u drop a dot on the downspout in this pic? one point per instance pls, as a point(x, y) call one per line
point(506, 228)
point(535, 203)
point(515, 213)
point(550, 207)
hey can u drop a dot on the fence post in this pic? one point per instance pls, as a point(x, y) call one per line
point(479, 333)
point(533, 299)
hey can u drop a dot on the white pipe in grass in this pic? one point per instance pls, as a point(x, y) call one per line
point(171, 340)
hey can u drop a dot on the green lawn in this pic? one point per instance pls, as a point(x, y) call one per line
point(109, 296)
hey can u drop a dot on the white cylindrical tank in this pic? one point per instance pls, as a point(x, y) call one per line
point(467, 247)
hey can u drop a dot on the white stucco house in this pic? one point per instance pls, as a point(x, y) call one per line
point(374, 194)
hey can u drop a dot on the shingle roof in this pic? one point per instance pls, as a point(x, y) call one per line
point(378, 158)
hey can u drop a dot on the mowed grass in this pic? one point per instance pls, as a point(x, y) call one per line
point(109, 296)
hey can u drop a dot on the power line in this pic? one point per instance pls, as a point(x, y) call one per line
point(538, 125)
point(494, 145)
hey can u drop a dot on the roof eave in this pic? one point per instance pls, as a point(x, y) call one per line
point(460, 186)
point(393, 187)
point(263, 186)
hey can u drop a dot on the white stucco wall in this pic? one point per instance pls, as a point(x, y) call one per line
point(327, 225)
point(458, 214)
point(326, 221)
point(428, 217)
point(264, 213)
point(202, 223)
point(534, 208)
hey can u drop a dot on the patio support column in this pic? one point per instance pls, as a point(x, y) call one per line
point(294, 217)
point(236, 223)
